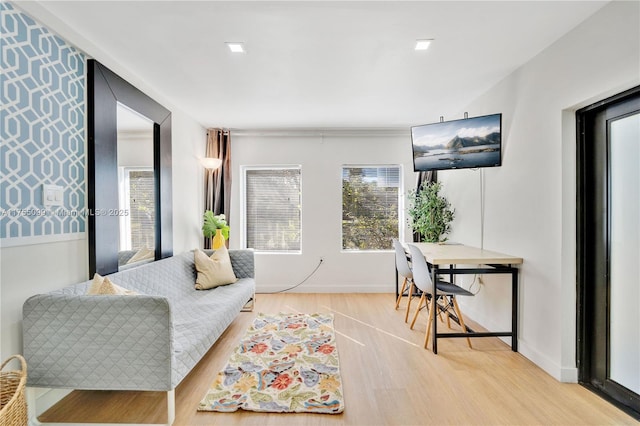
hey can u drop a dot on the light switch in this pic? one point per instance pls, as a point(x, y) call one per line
point(52, 195)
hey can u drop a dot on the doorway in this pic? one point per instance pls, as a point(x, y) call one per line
point(608, 249)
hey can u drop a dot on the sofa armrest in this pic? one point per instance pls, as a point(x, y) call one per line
point(98, 342)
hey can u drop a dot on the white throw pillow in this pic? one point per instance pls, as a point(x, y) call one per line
point(213, 271)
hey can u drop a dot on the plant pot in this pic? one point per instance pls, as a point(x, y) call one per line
point(218, 240)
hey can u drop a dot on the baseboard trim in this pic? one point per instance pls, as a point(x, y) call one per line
point(569, 375)
point(47, 398)
point(562, 374)
point(319, 288)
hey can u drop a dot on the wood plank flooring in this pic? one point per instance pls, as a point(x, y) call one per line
point(388, 378)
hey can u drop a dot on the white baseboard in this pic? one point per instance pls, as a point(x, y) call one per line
point(47, 398)
point(335, 288)
point(569, 375)
point(562, 374)
point(539, 359)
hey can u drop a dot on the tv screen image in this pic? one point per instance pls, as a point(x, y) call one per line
point(458, 144)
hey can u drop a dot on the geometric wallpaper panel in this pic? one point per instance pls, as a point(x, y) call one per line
point(42, 128)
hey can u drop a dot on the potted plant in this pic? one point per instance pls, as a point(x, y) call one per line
point(430, 213)
point(215, 226)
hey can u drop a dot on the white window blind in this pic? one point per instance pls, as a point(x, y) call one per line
point(370, 207)
point(273, 209)
point(142, 209)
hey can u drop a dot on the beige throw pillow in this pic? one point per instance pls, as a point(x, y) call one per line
point(103, 285)
point(215, 270)
point(142, 254)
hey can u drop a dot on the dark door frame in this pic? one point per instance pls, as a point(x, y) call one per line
point(592, 245)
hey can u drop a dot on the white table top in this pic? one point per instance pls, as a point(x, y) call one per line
point(452, 254)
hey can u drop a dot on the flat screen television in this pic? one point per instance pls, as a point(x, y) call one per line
point(458, 144)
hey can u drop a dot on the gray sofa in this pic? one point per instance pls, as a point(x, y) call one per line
point(145, 342)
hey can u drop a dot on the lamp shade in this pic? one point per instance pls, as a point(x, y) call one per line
point(211, 163)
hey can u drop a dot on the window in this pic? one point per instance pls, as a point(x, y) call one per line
point(137, 199)
point(370, 207)
point(272, 208)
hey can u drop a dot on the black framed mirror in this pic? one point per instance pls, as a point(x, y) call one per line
point(106, 91)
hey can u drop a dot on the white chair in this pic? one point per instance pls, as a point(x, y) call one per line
point(446, 292)
point(404, 269)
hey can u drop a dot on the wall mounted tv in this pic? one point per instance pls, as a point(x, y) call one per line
point(458, 144)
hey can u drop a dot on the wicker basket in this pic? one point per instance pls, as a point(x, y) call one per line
point(13, 404)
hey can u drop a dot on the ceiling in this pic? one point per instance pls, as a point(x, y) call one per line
point(315, 64)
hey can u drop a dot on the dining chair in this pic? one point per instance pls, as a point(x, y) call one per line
point(445, 293)
point(404, 269)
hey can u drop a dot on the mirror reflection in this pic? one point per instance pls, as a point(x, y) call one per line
point(136, 189)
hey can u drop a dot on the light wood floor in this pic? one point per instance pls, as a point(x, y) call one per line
point(388, 378)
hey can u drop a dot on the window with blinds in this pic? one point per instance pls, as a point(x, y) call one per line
point(370, 207)
point(273, 209)
point(142, 214)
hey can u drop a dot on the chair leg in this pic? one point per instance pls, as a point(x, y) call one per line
point(444, 308)
point(406, 315)
point(417, 310)
point(429, 325)
point(459, 314)
point(404, 285)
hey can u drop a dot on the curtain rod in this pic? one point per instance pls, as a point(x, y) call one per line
point(224, 131)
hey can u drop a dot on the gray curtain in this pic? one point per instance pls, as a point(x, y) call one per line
point(217, 183)
point(430, 176)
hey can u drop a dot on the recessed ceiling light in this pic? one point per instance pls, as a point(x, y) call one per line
point(423, 44)
point(236, 47)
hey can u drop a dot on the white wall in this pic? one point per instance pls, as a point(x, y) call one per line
point(135, 149)
point(33, 269)
point(530, 201)
point(188, 147)
point(321, 158)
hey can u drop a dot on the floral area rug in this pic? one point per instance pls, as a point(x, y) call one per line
point(285, 363)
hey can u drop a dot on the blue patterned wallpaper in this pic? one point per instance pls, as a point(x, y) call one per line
point(42, 128)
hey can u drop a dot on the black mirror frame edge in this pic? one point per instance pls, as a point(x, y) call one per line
point(105, 90)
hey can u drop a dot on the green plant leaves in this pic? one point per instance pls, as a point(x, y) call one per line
point(212, 223)
point(431, 214)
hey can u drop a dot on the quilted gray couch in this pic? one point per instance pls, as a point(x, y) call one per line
point(146, 342)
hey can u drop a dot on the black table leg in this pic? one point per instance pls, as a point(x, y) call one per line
point(514, 309)
point(434, 334)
